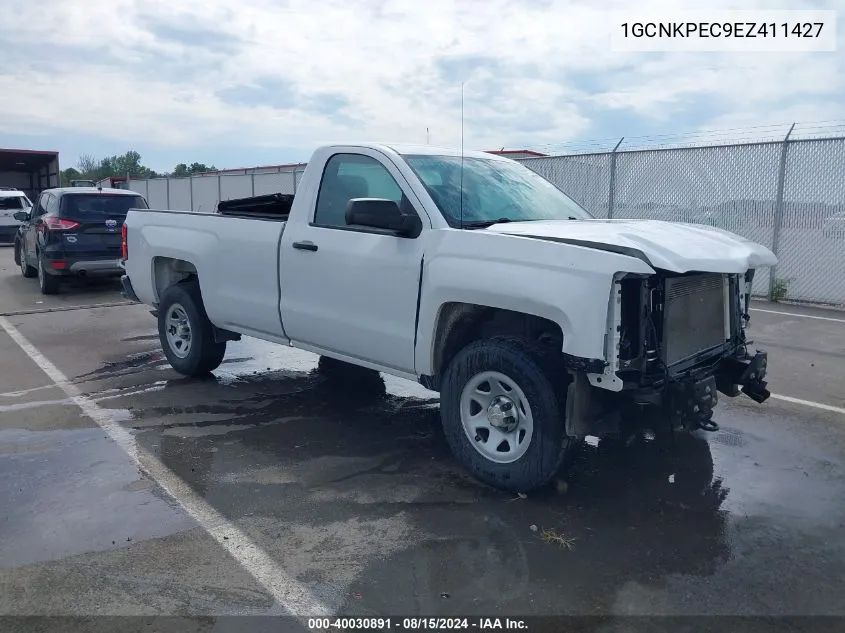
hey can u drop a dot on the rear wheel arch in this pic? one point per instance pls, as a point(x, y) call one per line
point(169, 271)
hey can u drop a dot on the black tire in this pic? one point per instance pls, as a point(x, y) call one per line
point(17, 253)
point(535, 370)
point(204, 355)
point(26, 270)
point(48, 283)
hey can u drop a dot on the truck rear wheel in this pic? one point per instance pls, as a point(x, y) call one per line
point(502, 406)
point(186, 334)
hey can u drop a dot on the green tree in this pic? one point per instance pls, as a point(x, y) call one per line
point(126, 164)
point(69, 175)
point(88, 167)
point(87, 164)
point(182, 170)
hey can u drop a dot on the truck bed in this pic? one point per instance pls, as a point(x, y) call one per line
point(235, 255)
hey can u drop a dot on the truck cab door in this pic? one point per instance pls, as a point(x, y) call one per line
point(348, 290)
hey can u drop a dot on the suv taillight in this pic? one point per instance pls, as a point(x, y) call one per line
point(124, 245)
point(52, 223)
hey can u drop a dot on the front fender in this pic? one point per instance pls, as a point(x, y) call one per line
point(568, 285)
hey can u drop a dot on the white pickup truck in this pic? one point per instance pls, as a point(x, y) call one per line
point(538, 324)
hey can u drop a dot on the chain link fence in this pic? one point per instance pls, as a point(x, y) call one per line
point(787, 195)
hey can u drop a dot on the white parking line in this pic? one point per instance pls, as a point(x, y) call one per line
point(801, 316)
point(810, 403)
point(289, 593)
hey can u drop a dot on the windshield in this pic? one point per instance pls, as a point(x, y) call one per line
point(100, 204)
point(494, 190)
point(8, 203)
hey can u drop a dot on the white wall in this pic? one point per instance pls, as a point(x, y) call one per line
point(202, 193)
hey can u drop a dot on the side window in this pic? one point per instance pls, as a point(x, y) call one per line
point(53, 205)
point(348, 176)
point(40, 207)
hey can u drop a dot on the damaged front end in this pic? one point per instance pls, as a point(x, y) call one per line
point(678, 341)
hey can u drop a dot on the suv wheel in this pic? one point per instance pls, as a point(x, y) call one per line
point(26, 270)
point(48, 283)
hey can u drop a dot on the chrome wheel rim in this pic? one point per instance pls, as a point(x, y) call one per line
point(496, 417)
point(178, 330)
point(40, 272)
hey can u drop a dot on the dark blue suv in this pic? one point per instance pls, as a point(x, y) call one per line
point(73, 231)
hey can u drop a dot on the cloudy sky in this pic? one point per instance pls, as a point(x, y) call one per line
point(250, 82)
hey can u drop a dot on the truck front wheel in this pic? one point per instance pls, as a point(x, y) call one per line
point(186, 334)
point(502, 405)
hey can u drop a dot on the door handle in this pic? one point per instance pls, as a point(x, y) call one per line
point(305, 246)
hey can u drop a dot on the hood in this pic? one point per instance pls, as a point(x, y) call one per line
point(673, 246)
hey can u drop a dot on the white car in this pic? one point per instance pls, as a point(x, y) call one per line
point(468, 272)
point(11, 201)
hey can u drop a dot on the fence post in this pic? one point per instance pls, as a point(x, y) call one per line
point(778, 219)
point(191, 191)
point(167, 180)
point(611, 195)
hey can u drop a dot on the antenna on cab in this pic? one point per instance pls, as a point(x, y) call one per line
point(462, 157)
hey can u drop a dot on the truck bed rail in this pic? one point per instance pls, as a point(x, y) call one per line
point(274, 206)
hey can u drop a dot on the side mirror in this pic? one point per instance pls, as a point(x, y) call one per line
point(21, 216)
point(384, 214)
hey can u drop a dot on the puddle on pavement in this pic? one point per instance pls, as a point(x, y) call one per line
point(133, 364)
point(272, 443)
point(620, 521)
point(72, 492)
point(251, 357)
point(270, 394)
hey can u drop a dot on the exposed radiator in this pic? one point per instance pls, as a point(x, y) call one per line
point(694, 316)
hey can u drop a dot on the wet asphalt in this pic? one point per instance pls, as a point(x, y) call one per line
point(355, 495)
